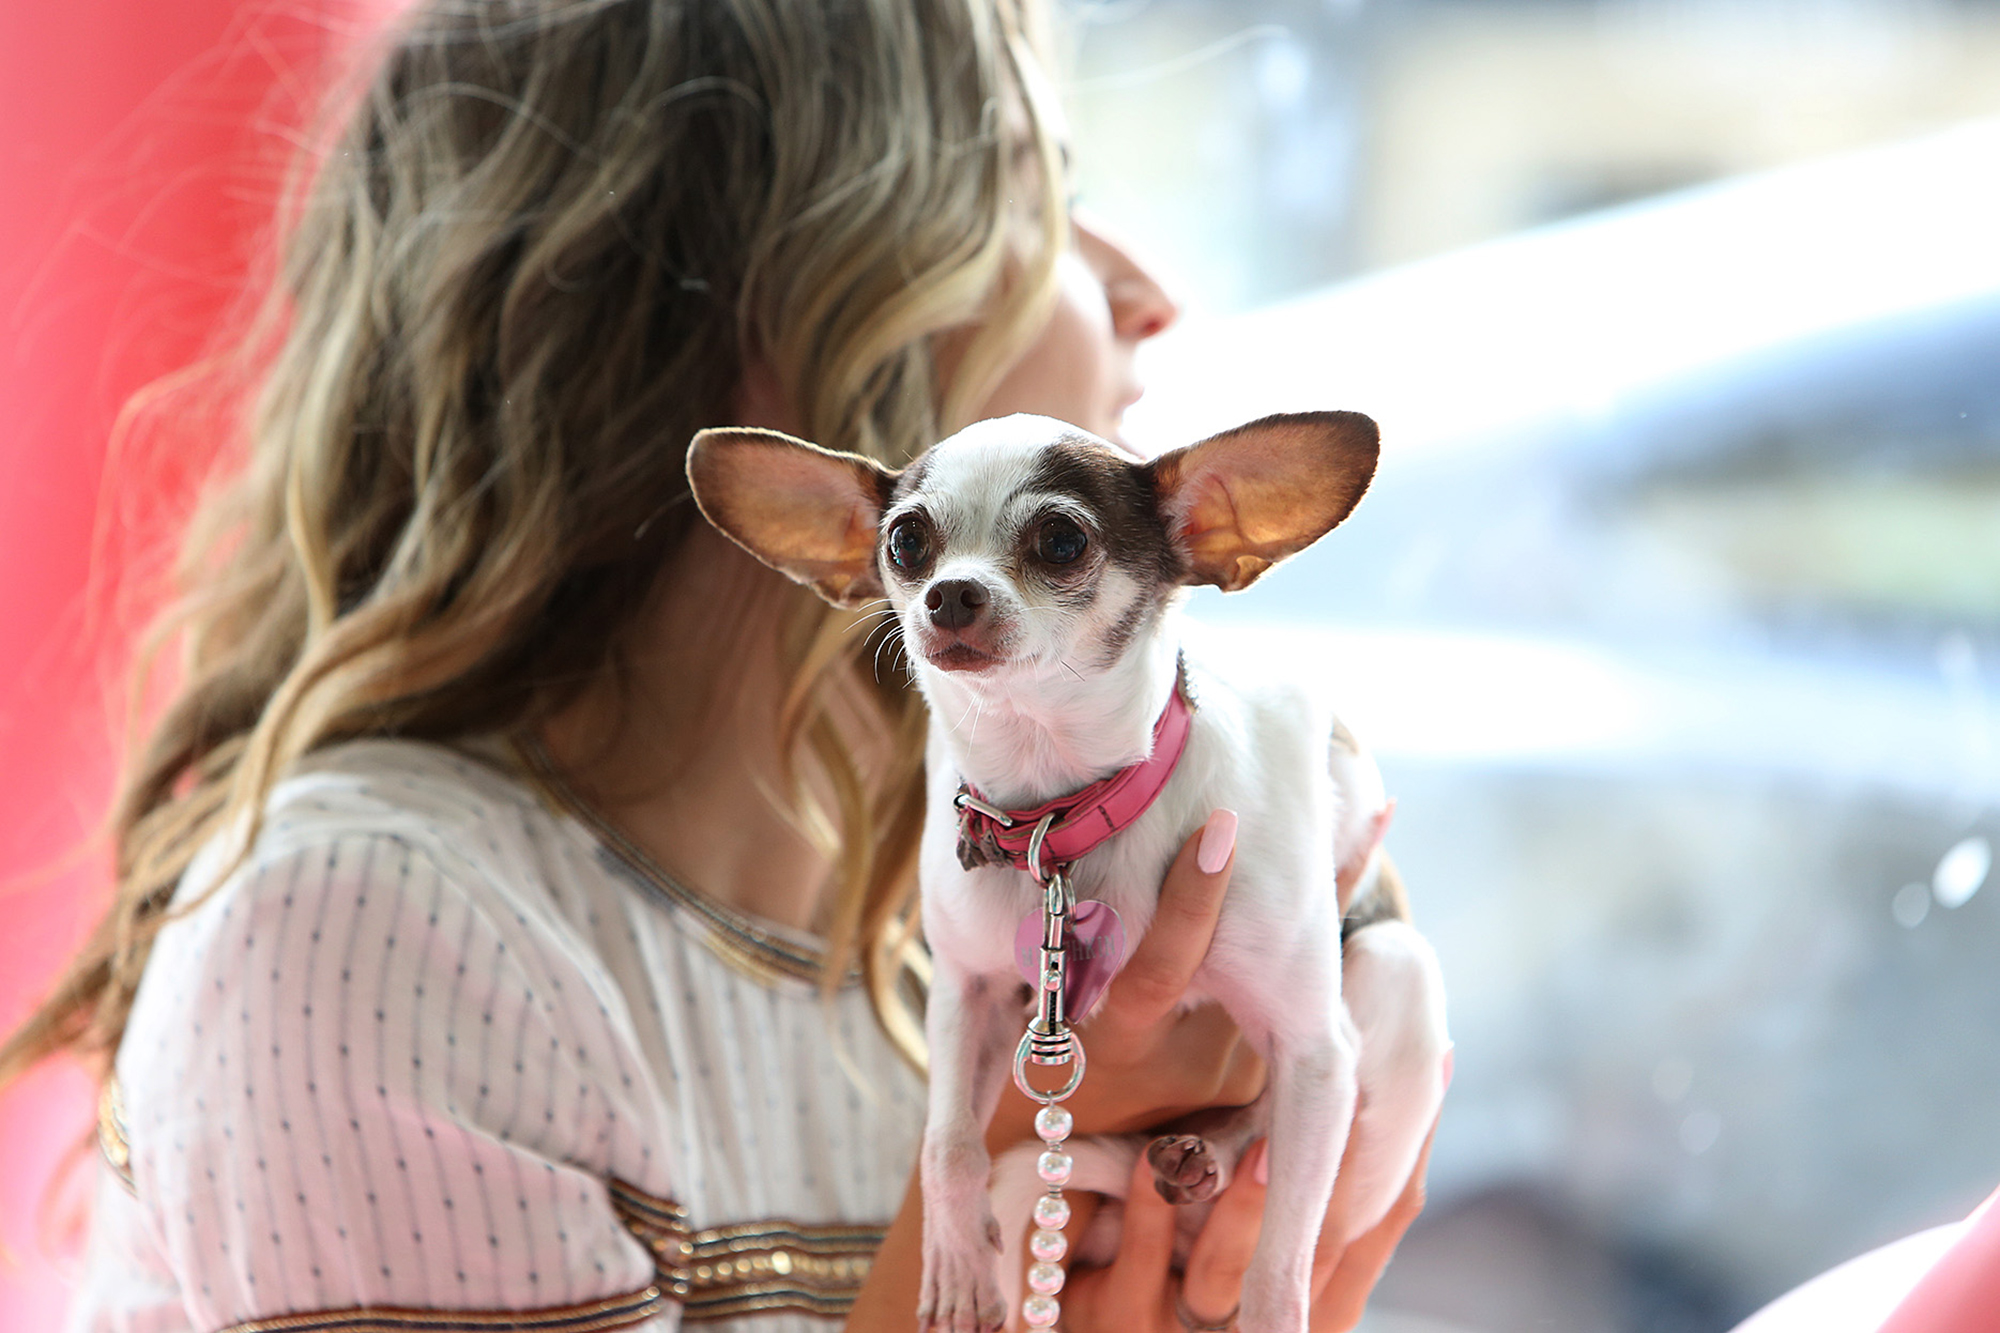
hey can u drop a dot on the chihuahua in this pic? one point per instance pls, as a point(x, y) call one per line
point(1035, 572)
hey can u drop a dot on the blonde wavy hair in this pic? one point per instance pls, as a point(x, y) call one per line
point(536, 260)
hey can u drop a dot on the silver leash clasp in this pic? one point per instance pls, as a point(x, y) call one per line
point(1035, 1048)
point(1049, 1039)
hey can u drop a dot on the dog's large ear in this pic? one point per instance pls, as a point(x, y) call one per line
point(1239, 502)
point(807, 512)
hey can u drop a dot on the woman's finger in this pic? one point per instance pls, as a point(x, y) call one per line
point(1154, 978)
point(1133, 1293)
point(1340, 1211)
point(1213, 1286)
point(1354, 1274)
point(1146, 1249)
point(1338, 1225)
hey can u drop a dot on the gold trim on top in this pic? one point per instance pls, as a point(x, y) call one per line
point(721, 1272)
point(112, 1140)
point(757, 953)
point(714, 1272)
point(588, 1317)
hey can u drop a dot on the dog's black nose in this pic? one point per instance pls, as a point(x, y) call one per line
point(955, 603)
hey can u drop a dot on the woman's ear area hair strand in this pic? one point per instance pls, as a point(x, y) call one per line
point(1238, 502)
point(807, 512)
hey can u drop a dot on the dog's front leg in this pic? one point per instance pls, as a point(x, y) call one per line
point(967, 1030)
point(1312, 1052)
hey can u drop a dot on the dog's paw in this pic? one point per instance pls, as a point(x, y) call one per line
point(960, 1293)
point(1185, 1169)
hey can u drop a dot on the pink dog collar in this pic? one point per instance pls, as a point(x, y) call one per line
point(988, 835)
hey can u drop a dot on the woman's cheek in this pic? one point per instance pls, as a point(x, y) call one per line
point(1069, 371)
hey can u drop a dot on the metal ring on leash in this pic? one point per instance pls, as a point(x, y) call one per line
point(1025, 1051)
point(1035, 847)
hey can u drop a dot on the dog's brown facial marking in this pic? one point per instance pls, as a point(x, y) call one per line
point(1119, 496)
point(1114, 500)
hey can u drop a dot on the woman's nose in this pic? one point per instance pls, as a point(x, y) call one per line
point(1140, 306)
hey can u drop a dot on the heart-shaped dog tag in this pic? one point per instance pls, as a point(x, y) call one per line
point(1096, 952)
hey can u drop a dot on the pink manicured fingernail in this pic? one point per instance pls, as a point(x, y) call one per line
point(1262, 1171)
point(1450, 1057)
point(1218, 840)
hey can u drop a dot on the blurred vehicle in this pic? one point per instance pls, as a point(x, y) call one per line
point(1674, 615)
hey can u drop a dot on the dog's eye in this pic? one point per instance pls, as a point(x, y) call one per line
point(1060, 541)
point(909, 544)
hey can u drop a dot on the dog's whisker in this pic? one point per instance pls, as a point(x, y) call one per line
point(872, 619)
point(887, 639)
point(885, 624)
point(972, 711)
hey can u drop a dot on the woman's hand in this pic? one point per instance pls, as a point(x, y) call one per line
point(1137, 1293)
point(1149, 1061)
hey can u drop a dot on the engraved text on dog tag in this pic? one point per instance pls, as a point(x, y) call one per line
point(1096, 952)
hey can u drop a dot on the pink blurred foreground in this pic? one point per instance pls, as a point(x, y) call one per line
point(144, 147)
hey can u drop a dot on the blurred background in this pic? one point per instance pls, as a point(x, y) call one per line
point(1674, 614)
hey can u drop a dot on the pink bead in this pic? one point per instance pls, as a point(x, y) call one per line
point(1052, 1211)
point(1040, 1311)
point(1045, 1278)
point(1048, 1246)
point(1054, 1167)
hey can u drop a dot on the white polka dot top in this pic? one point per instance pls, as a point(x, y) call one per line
point(441, 1045)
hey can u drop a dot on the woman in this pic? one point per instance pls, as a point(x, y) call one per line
point(410, 1005)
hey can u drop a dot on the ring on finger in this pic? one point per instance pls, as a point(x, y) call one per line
point(1193, 1325)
